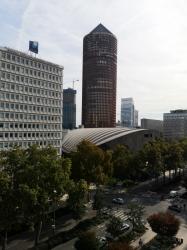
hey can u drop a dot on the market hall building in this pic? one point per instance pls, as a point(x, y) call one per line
point(108, 138)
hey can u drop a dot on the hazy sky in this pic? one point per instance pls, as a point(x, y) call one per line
point(152, 44)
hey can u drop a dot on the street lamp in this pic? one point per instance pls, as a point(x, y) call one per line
point(54, 215)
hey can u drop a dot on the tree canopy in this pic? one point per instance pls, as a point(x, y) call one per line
point(164, 224)
point(32, 179)
point(87, 240)
point(90, 163)
point(114, 226)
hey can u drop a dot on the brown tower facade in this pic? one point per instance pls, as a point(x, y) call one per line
point(99, 78)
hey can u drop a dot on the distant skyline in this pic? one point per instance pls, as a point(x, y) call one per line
point(152, 44)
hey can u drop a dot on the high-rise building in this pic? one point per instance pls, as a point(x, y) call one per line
point(127, 112)
point(135, 118)
point(99, 78)
point(175, 124)
point(69, 108)
point(30, 101)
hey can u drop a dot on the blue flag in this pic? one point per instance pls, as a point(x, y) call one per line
point(33, 46)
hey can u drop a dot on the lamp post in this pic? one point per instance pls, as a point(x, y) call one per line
point(54, 215)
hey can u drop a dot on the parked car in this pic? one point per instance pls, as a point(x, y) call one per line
point(125, 227)
point(118, 201)
point(173, 193)
point(105, 211)
point(175, 208)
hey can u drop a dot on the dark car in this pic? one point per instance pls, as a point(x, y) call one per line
point(105, 211)
point(175, 208)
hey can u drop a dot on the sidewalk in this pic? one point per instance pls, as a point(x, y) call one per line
point(146, 237)
point(25, 240)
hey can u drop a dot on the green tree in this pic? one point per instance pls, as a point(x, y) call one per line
point(98, 202)
point(183, 145)
point(89, 163)
point(174, 157)
point(77, 198)
point(164, 224)
point(107, 165)
point(10, 212)
point(87, 240)
point(8, 206)
point(43, 181)
point(114, 226)
point(121, 157)
point(135, 214)
point(30, 178)
point(164, 148)
point(151, 154)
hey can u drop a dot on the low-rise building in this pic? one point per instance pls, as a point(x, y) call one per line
point(152, 124)
point(108, 138)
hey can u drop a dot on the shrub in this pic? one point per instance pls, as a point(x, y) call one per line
point(119, 246)
point(164, 224)
point(87, 241)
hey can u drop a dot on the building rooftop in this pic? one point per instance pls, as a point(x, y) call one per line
point(20, 53)
point(97, 136)
point(101, 29)
point(179, 111)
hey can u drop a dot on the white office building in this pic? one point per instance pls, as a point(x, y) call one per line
point(135, 118)
point(30, 101)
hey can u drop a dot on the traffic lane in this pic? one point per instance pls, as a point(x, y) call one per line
point(136, 198)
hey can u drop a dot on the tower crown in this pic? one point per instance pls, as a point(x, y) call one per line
point(101, 29)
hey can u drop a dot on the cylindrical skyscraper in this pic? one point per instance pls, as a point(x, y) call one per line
point(99, 78)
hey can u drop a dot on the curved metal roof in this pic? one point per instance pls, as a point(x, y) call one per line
point(97, 136)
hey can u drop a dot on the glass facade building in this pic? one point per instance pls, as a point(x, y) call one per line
point(69, 108)
point(99, 78)
point(30, 101)
point(127, 112)
point(175, 124)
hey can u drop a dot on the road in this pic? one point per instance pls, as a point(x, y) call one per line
point(151, 201)
point(152, 204)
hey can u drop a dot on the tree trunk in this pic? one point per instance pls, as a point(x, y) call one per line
point(164, 177)
point(180, 172)
point(4, 243)
point(175, 173)
point(38, 228)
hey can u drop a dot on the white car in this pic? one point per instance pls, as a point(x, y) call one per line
point(173, 193)
point(118, 201)
point(125, 227)
point(102, 242)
